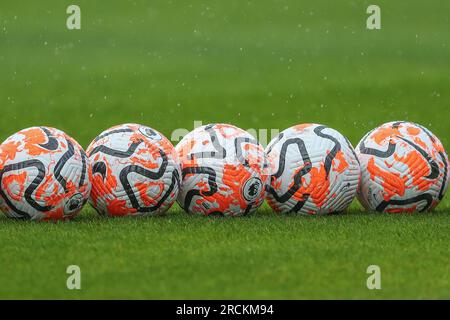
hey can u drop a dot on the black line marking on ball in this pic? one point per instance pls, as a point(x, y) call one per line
point(83, 167)
point(61, 163)
point(274, 142)
point(378, 153)
point(52, 143)
point(117, 153)
point(30, 189)
point(434, 168)
point(441, 192)
point(422, 197)
point(238, 148)
point(99, 168)
point(219, 153)
point(194, 192)
point(298, 176)
point(332, 154)
point(150, 175)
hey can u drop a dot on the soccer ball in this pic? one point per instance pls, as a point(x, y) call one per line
point(314, 170)
point(404, 168)
point(224, 171)
point(134, 171)
point(43, 175)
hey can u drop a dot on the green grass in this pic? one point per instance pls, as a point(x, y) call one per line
point(257, 64)
point(264, 256)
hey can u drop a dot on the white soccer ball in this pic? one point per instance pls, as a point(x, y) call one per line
point(404, 168)
point(134, 171)
point(224, 171)
point(43, 175)
point(314, 170)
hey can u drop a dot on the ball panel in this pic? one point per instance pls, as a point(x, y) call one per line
point(43, 174)
point(404, 168)
point(223, 170)
point(134, 171)
point(315, 170)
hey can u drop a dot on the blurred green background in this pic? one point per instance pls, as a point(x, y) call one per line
point(257, 64)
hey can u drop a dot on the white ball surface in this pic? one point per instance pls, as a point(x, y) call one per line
point(224, 171)
point(404, 168)
point(314, 171)
point(43, 175)
point(134, 172)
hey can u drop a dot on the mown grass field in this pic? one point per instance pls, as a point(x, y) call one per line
point(256, 64)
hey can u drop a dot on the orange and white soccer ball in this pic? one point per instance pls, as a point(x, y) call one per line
point(43, 175)
point(134, 171)
point(224, 171)
point(404, 168)
point(314, 171)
